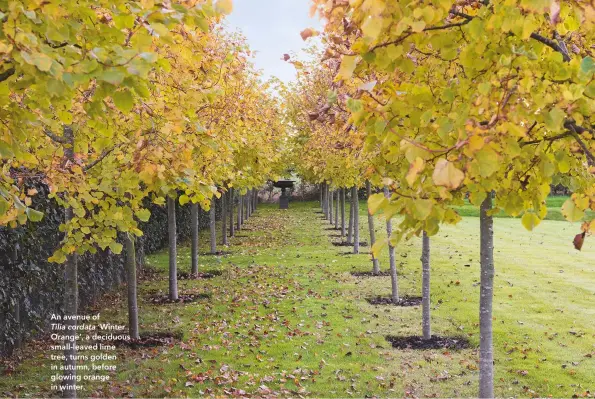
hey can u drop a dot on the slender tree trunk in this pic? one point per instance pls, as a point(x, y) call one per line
point(231, 205)
point(70, 291)
point(320, 190)
point(194, 239)
point(342, 212)
point(425, 287)
point(391, 257)
point(355, 220)
point(330, 204)
point(350, 227)
point(486, 349)
point(212, 226)
point(324, 202)
point(375, 263)
point(131, 284)
point(240, 206)
point(337, 205)
point(224, 201)
point(173, 250)
point(70, 310)
point(255, 199)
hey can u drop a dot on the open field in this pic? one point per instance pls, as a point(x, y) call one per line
point(286, 317)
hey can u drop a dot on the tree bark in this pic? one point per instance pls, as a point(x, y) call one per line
point(350, 227)
point(194, 244)
point(425, 287)
point(337, 205)
point(324, 202)
point(342, 212)
point(355, 220)
point(70, 290)
point(70, 310)
point(212, 226)
point(255, 199)
point(131, 285)
point(320, 190)
point(391, 257)
point(240, 206)
point(486, 350)
point(224, 218)
point(375, 263)
point(173, 251)
point(330, 207)
point(232, 231)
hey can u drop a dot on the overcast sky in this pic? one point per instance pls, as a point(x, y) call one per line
point(273, 28)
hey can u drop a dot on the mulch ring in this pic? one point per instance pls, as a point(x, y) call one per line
point(348, 244)
point(403, 301)
point(370, 274)
point(150, 339)
point(435, 342)
point(199, 275)
point(163, 299)
point(331, 229)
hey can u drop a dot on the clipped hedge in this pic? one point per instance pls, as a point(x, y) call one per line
point(31, 287)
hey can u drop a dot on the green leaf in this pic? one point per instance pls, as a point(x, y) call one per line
point(113, 76)
point(33, 215)
point(377, 247)
point(488, 161)
point(588, 65)
point(571, 212)
point(530, 220)
point(143, 215)
point(123, 100)
point(421, 208)
point(375, 202)
point(116, 247)
point(554, 119)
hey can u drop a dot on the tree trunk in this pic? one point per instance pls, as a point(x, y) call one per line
point(255, 199)
point(324, 203)
point(194, 239)
point(232, 231)
point(342, 212)
point(224, 218)
point(486, 350)
point(70, 291)
point(425, 287)
point(212, 226)
point(131, 284)
point(173, 251)
point(337, 205)
point(391, 257)
point(70, 310)
point(375, 263)
point(240, 206)
point(320, 189)
point(355, 220)
point(350, 227)
point(330, 209)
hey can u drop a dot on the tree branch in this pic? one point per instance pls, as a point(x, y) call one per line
point(552, 44)
point(55, 137)
point(6, 74)
point(104, 154)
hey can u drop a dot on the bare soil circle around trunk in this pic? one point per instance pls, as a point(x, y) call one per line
point(435, 342)
point(402, 302)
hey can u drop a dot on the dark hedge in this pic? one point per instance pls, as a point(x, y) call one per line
point(31, 288)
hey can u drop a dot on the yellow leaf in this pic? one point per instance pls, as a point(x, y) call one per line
point(530, 220)
point(225, 6)
point(377, 247)
point(375, 202)
point(571, 212)
point(447, 175)
point(414, 169)
point(347, 67)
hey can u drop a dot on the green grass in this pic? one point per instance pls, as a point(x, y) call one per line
point(286, 316)
point(554, 212)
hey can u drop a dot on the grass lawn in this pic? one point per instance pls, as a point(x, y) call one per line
point(286, 318)
point(554, 211)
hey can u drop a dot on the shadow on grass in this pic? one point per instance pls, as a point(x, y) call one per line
point(402, 302)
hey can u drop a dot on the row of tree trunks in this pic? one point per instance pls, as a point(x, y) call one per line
point(375, 262)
